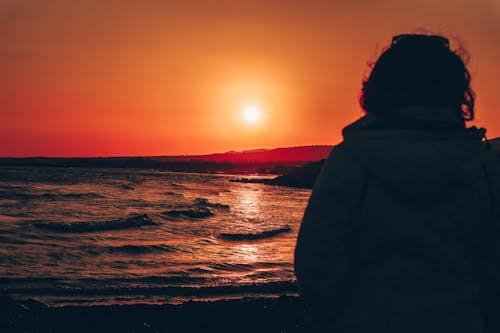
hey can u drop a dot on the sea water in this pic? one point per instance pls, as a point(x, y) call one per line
point(121, 236)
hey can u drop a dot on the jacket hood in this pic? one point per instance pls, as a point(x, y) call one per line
point(426, 153)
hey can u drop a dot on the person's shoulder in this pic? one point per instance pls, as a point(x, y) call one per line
point(491, 159)
point(341, 176)
point(341, 164)
point(342, 152)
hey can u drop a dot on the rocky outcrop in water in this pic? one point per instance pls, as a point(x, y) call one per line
point(303, 177)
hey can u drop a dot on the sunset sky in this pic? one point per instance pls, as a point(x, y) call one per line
point(151, 77)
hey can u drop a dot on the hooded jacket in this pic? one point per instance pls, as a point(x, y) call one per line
point(402, 230)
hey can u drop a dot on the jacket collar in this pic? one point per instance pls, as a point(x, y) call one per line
point(427, 119)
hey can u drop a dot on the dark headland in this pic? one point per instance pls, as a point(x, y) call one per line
point(301, 177)
point(261, 161)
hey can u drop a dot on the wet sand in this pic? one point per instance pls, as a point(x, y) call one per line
point(280, 315)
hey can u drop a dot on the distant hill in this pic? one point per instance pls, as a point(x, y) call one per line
point(266, 161)
point(277, 155)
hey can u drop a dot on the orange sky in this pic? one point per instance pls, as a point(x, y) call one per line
point(151, 77)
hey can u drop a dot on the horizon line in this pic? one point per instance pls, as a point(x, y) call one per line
point(181, 155)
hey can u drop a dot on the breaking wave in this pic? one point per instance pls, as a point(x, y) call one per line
point(196, 213)
point(142, 249)
point(203, 202)
point(114, 288)
point(131, 221)
point(255, 235)
point(199, 209)
point(13, 195)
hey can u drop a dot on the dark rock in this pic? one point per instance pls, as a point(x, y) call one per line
point(303, 177)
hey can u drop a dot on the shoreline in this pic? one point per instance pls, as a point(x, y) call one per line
point(248, 314)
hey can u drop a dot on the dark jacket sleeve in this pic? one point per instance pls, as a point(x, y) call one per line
point(490, 258)
point(322, 254)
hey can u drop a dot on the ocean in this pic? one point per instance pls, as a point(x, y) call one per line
point(76, 236)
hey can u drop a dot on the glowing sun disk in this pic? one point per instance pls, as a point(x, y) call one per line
point(251, 114)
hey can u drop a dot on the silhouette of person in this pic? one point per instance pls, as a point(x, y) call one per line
point(402, 229)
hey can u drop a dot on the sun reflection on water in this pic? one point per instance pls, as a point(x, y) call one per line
point(246, 253)
point(248, 202)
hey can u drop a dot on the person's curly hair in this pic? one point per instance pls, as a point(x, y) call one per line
point(418, 70)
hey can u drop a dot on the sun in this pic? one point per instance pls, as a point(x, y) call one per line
point(251, 114)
